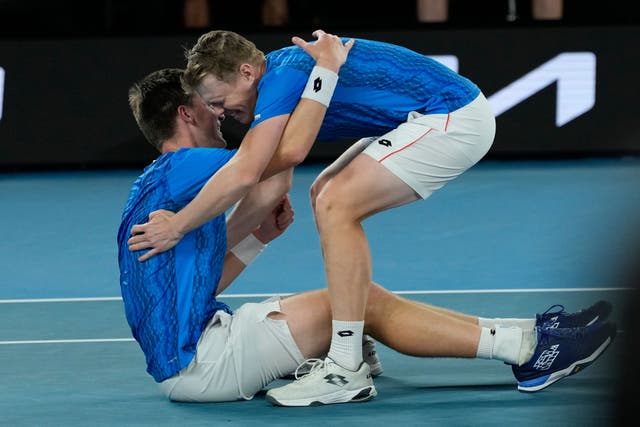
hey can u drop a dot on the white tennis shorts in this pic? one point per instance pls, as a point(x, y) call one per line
point(427, 151)
point(236, 356)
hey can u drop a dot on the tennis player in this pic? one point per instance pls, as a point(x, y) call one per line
point(441, 128)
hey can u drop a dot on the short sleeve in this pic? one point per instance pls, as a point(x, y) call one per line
point(191, 168)
point(279, 91)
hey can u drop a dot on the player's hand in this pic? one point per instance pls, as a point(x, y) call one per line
point(276, 222)
point(329, 51)
point(158, 235)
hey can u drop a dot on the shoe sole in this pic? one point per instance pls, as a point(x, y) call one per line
point(376, 369)
point(352, 396)
point(545, 381)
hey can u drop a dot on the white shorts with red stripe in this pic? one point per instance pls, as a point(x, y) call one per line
point(429, 150)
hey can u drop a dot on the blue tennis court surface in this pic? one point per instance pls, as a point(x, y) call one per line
point(506, 239)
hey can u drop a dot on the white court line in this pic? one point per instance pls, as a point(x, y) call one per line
point(511, 291)
point(452, 291)
point(30, 300)
point(93, 299)
point(96, 340)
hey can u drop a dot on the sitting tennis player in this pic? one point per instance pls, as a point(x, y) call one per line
point(198, 350)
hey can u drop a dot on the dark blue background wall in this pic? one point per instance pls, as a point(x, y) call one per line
point(64, 103)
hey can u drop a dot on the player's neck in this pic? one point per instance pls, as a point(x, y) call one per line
point(175, 143)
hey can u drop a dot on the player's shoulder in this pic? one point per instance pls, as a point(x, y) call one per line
point(190, 159)
point(201, 152)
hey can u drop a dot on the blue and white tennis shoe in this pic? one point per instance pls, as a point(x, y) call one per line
point(562, 352)
point(557, 317)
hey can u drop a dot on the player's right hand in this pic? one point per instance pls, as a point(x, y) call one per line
point(328, 51)
point(158, 235)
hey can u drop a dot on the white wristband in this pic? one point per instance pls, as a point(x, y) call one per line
point(320, 86)
point(248, 249)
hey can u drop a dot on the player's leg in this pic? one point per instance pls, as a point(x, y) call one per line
point(362, 188)
point(418, 329)
point(348, 269)
point(403, 166)
point(336, 166)
point(434, 331)
point(308, 316)
point(554, 317)
point(424, 330)
point(561, 344)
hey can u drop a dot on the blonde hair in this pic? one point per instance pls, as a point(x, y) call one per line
point(219, 53)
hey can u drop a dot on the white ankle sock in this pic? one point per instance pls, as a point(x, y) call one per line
point(346, 344)
point(508, 344)
point(497, 321)
point(528, 348)
point(485, 345)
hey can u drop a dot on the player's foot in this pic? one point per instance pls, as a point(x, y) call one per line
point(369, 355)
point(561, 352)
point(559, 318)
point(327, 383)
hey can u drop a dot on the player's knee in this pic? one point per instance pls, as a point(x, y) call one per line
point(313, 195)
point(329, 207)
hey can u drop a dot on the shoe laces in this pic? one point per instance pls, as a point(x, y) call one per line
point(570, 333)
point(559, 310)
point(314, 365)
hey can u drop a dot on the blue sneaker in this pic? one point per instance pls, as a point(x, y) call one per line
point(563, 352)
point(559, 318)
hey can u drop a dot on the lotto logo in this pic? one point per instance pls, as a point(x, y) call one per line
point(547, 358)
point(338, 380)
point(317, 84)
point(553, 323)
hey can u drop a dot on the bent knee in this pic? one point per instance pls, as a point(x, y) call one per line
point(333, 204)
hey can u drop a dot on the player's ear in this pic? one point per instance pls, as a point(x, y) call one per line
point(185, 113)
point(247, 71)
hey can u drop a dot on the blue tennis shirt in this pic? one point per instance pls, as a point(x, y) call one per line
point(379, 85)
point(169, 298)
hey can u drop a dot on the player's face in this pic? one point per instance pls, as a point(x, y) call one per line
point(237, 99)
point(208, 122)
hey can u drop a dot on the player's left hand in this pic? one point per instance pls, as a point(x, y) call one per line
point(158, 235)
point(276, 222)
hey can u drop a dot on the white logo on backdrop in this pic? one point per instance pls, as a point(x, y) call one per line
point(573, 72)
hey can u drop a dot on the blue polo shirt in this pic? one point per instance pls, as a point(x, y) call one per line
point(379, 84)
point(169, 298)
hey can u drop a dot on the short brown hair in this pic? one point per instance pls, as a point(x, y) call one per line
point(219, 53)
point(154, 102)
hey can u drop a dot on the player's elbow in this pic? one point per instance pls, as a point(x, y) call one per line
point(292, 157)
point(273, 189)
point(282, 182)
point(247, 178)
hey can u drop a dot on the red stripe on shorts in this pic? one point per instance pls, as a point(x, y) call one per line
point(406, 146)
